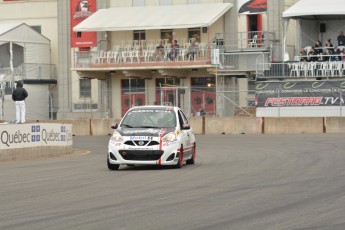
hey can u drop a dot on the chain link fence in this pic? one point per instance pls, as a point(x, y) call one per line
point(195, 101)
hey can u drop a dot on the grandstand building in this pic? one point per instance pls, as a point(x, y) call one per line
point(107, 60)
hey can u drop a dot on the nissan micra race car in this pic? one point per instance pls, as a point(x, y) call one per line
point(152, 135)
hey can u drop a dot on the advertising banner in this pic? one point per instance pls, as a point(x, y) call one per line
point(252, 6)
point(33, 135)
point(80, 10)
point(300, 94)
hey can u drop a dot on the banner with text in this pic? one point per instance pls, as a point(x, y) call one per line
point(80, 10)
point(36, 134)
point(299, 94)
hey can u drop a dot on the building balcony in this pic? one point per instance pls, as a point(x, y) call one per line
point(126, 59)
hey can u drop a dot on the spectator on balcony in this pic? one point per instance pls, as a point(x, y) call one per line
point(311, 55)
point(341, 39)
point(328, 53)
point(174, 51)
point(329, 43)
point(303, 55)
point(160, 51)
point(343, 55)
point(336, 54)
point(318, 47)
point(192, 50)
point(18, 96)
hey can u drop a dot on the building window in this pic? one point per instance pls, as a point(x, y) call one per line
point(133, 85)
point(167, 34)
point(139, 35)
point(165, 2)
point(193, 1)
point(38, 29)
point(85, 88)
point(194, 33)
point(138, 2)
point(84, 106)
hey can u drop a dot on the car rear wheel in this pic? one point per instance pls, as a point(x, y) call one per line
point(191, 161)
point(112, 166)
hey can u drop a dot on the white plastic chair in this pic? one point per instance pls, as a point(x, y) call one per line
point(254, 41)
point(294, 69)
point(337, 68)
point(310, 71)
point(101, 57)
point(324, 69)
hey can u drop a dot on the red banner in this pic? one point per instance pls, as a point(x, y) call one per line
point(80, 10)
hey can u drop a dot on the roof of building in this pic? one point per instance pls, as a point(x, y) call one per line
point(330, 9)
point(153, 17)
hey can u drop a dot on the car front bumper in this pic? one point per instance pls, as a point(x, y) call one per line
point(163, 153)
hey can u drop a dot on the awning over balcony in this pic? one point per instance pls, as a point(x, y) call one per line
point(153, 17)
point(330, 9)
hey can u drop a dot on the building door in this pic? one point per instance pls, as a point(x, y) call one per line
point(254, 27)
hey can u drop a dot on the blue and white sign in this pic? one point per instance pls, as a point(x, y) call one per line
point(36, 134)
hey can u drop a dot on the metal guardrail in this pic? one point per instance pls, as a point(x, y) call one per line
point(245, 41)
point(301, 70)
point(30, 71)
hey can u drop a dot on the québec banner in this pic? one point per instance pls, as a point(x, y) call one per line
point(252, 6)
point(33, 135)
point(299, 94)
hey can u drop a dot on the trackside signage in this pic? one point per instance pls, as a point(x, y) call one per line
point(33, 135)
point(300, 94)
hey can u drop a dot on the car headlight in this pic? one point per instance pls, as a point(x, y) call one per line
point(170, 137)
point(116, 136)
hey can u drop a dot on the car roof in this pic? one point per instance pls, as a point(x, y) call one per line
point(155, 107)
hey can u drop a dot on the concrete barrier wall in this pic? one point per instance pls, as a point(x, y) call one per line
point(226, 125)
point(196, 124)
point(335, 124)
point(293, 125)
point(35, 140)
point(34, 152)
point(102, 126)
point(233, 125)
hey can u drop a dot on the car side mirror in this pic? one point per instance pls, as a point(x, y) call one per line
point(114, 125)
point(185, 126)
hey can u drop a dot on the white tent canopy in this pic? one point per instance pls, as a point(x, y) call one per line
point(331, 12)
point(321, 9)
point(153, 17)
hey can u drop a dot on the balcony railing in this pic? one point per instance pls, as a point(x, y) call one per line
point(245, 41)
point(30, 71)
point(144, 53)
point(301, 70)
point(136, 57)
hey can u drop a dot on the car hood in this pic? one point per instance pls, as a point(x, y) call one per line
point(154, 132)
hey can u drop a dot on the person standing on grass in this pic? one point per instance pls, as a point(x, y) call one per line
point(18, 96)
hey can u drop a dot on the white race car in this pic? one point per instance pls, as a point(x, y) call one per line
point(152, 135)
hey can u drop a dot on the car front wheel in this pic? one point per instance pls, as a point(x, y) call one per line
point(191, 161)
point(180, 159)
point(112, 166)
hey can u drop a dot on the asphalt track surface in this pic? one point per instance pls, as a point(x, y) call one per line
point(239, 182)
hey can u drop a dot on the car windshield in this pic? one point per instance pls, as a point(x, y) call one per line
point(149, 118)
